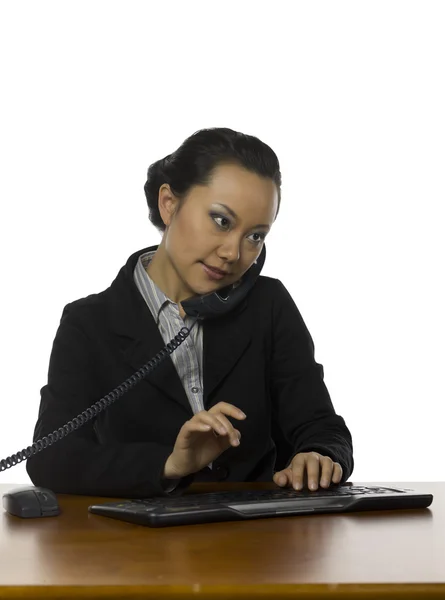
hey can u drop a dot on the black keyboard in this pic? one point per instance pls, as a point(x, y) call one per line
point(240, 496)
point(188, 509)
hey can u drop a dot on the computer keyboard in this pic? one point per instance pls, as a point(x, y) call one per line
point(209, 507)
point(240, 496)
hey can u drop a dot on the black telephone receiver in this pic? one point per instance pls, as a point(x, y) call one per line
point(223, 301)
point(208, 306)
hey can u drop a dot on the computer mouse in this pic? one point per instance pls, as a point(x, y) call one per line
point(30, 502)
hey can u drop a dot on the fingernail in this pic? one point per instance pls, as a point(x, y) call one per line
point(324, 482)
point(313, 485)
point(297, 486)
point(282, 480)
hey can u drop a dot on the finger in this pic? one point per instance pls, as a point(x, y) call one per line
point(196, 423)
point(219, 428)
point(228, 409)
point(297, 470)
point(282, 478)
point(337, 473)
point(327, 469)
point(313, 470)
point(211, 420)
point(231, 431)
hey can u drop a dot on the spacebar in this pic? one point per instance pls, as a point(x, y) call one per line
point(272, 507)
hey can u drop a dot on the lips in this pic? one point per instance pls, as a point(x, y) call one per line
point(218, 271)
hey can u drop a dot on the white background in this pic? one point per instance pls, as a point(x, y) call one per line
point(349, 94)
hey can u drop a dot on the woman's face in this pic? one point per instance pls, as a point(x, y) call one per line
point(222, 225)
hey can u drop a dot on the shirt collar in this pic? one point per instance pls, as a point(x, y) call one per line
point(155, 297)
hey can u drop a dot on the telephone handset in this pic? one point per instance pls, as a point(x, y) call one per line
point(208, 306)
point(223, 301)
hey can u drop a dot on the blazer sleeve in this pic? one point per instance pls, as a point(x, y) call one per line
point(78, 463)
point(300, 397)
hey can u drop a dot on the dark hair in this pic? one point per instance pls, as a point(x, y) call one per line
point(198, 156)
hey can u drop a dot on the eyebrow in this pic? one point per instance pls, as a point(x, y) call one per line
point(235, 216)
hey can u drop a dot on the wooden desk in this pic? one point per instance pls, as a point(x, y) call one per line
point(393, 554)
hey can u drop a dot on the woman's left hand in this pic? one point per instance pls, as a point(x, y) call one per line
point(316, 466)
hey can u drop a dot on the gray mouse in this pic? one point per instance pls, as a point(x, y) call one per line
point(30, 502)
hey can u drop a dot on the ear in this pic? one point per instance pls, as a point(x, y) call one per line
point(167, 204)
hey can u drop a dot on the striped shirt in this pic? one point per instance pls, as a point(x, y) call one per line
point(187, 359)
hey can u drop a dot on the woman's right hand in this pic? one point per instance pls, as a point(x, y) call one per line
point(202, 439)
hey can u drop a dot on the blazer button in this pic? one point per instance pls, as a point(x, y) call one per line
point(222, 473)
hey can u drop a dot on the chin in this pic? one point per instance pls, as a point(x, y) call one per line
point(209, 288)
point(202, 290)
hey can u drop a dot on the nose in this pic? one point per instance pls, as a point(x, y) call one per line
point(229, 251)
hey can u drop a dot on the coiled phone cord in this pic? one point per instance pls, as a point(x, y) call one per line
point(98, 406)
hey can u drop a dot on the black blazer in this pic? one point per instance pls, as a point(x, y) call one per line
point(260, 357)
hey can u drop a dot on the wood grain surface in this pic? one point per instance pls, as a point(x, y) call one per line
point(390, 554)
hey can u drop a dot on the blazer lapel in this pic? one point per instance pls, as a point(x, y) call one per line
point(164, 376)
point(138, 335)
point(224, 341)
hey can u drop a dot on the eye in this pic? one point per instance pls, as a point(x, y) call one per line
point(262, 236)
point(214, 217)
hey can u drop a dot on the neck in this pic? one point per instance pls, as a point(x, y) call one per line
point(166, 278)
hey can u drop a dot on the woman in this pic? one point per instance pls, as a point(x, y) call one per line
point(242, 398)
